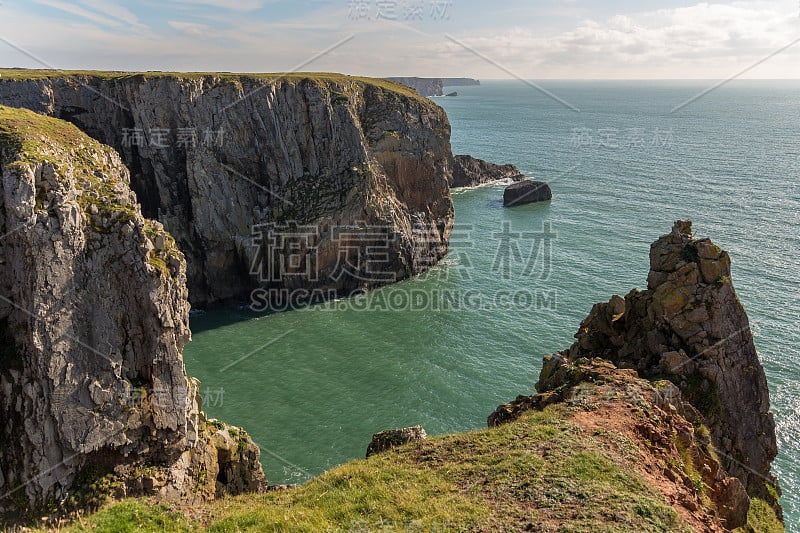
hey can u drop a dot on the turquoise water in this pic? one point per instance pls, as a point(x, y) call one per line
point(445, 349)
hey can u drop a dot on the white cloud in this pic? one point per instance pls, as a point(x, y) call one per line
point(112, 10)
point(79, 11)
point(705, 40)
point(192, 29)
point(233, 5)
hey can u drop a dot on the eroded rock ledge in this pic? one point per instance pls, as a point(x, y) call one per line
point(93, 321)
point(685, 341)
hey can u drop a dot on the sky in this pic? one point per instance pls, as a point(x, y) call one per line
point(530, 39)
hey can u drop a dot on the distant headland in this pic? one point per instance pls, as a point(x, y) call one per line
point(434, 86)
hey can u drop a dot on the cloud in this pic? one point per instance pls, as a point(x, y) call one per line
point(704, 40)
point(112, 10)
point(192, 29)
point(80, 12)
point(232, 5)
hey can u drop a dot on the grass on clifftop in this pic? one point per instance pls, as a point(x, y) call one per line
point(24, 132)
point(539, 473)
point(42, 74)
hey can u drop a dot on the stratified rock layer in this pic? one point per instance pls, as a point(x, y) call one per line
point(470, 171)
point(219, 158)
point(93, 319)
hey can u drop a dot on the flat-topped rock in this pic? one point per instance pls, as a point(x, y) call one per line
point(526, 192)
point(388, 439)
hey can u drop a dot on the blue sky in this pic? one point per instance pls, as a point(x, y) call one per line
point(531, 39)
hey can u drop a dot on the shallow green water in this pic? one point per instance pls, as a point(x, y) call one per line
point(622, 170)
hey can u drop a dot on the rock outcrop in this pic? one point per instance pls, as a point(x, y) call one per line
point(526, 192)
point(470, 171)
point(386, 440)
point(687, 334)
point(93, 320)
point(254, 175)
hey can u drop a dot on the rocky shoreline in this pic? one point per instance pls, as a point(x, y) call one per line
point(95, 299)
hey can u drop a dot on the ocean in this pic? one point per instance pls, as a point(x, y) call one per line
point(624, 160)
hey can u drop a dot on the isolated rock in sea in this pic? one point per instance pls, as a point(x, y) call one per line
point(388, 439)
point(688, 334)
point(454, 93)
point(93, 320)
point(470, 171)
point(526, 192)
point(271, 182)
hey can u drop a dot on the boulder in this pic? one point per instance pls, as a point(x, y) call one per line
point(526, 192)
point(395, 437)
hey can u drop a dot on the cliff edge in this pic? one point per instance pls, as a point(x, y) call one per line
point(93, 320)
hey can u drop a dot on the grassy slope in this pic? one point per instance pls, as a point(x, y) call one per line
point(42, 74)
point(540, 473)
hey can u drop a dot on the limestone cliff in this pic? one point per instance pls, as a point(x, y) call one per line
point(221, 160)
point(424, 86)
point(689, 335)
point(93, 320)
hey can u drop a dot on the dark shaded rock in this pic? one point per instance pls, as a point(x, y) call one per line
point(395, 437)
point(470, 171)
point(526, 192)
point(454, 93)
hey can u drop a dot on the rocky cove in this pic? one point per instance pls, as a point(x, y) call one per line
point(66, 189)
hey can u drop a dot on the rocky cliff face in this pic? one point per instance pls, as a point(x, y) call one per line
point(424, 86)
point(470, 171)
point(232, 164)
point(689, 335)
point(93, 319)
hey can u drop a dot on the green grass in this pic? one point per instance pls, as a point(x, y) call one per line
point(761, 518)
point(134, 516)
point(537, 471)
point(42, 74)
